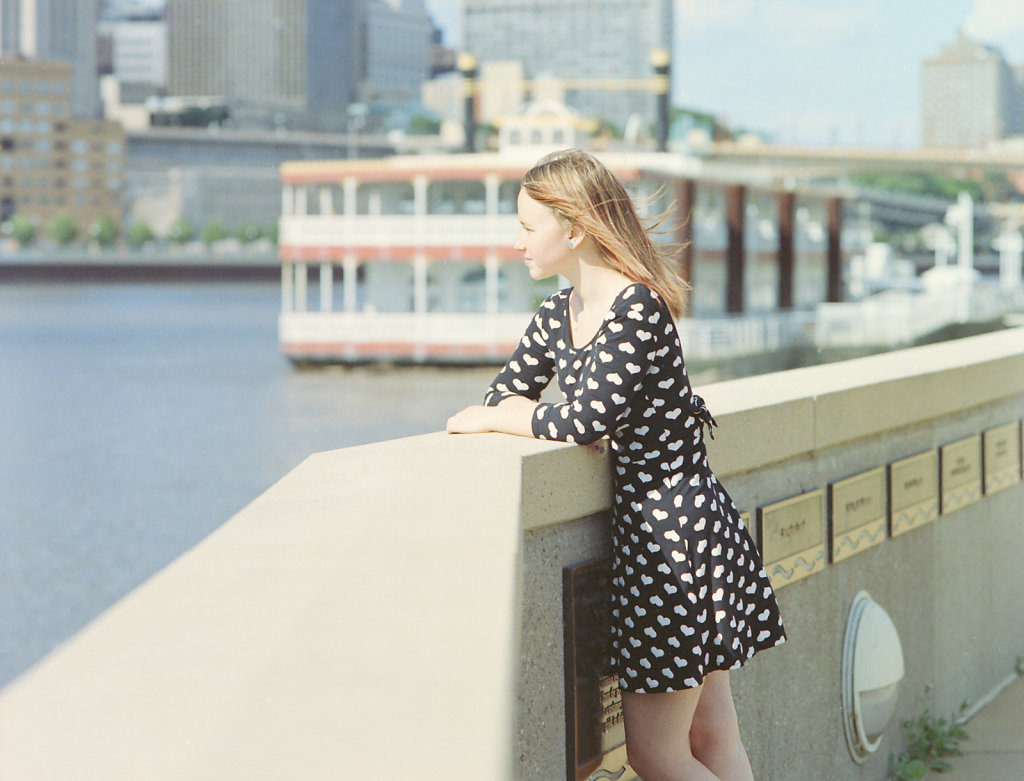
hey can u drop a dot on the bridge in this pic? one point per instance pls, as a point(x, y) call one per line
point(395, 610)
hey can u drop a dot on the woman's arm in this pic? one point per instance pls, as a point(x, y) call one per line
point(514, 415)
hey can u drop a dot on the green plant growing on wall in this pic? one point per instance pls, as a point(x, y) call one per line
point(214, 231)
point(181, 231)
point(139, 234)
point(63, 229)
point(929, 740)
point(103, 231)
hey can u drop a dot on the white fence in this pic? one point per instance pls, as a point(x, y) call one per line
point(899, 318)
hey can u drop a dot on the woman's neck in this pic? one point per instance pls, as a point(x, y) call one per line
point(595, 285)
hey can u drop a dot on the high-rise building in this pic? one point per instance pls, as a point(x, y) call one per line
point(250, 50)
point(970, 96)
point(311, 57)
point(56, 30)
point(52, 162)
point(593, 47)
point(138, 48)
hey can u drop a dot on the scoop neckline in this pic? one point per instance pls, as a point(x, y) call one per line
point(604, 322)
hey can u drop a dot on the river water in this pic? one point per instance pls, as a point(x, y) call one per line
point(137, 417)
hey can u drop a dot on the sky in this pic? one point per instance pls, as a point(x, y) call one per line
point(815, 72)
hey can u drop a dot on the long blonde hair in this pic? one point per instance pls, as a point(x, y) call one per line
point(582, 192)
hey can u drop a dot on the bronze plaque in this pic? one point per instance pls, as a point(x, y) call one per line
point(1001, 450)
point(960, 472)
point(595, 735)
point(791, 534)
point(859, 512)
point(914, 491)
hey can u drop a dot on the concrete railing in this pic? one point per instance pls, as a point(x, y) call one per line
point(395, 610)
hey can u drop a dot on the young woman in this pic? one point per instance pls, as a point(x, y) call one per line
point(691, 598)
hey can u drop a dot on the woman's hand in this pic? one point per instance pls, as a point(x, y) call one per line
point(512, 416)
point(472, 420)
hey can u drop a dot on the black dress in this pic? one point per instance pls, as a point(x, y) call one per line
point(690, 593)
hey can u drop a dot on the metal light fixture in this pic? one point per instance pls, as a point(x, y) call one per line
point(872, 671)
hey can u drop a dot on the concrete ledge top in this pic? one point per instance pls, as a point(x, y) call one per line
point(806, 410)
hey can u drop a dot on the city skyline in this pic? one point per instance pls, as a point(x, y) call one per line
point(848, 74)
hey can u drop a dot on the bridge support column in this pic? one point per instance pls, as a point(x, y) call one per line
point(685, 193)
point(834, 292)
point(735, 253)
point(787, 210)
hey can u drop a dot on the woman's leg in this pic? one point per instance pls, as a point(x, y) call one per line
point(657, 736)
point(715, 731)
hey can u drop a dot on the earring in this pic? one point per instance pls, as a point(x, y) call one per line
point(571, 245)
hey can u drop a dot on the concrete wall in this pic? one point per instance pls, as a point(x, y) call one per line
point(394, 610)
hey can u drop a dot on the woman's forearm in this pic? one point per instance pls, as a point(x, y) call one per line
point(514, 415)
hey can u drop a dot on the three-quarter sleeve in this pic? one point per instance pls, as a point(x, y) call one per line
point(616, 366)
point(529, 370)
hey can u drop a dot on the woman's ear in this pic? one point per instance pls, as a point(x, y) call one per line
point(576, 236)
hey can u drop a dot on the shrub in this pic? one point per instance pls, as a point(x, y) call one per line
point(104, 231)
point(63, 229)
point(140, 233)
point(20, 229)
point(181, 231)
point(249, 232)
point(214, 231)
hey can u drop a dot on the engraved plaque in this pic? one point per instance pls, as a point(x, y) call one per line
point(960, 471)
point(1001, 450)
point(791, 534)
point(914, 491)
point(595, 736)
point(858, 509)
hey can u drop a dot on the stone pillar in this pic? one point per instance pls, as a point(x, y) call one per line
point(350, 281)
point(735, 253)
point(326, 287)
point(786, 257)
point(834, 290)
point(350, 189)
point(301, 194)
point(326, 201)
point(491, 282)
point(287, 287)
point(420, 185)
point(492, 183)
point(419, 276)
point(962, 217)
point(300, 287)
point(287, 200)
point(1010, 244)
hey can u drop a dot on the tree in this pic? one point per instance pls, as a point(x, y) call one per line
point(20, 229)
point(249, 232)
point(214, 231)
point(423, 125)
point(63, 229)
point(140, 233)
point(271, 233)
point(181, 231)
point(103, 231)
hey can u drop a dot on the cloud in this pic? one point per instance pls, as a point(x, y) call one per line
point(787, 22)
point(999, 22)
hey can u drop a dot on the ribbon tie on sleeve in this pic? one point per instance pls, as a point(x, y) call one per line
point(700, 411)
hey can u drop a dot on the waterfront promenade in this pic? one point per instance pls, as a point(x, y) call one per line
point(395, 610)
